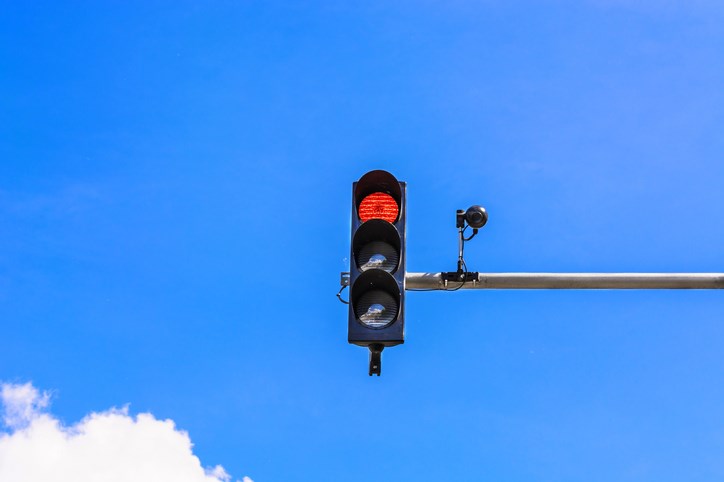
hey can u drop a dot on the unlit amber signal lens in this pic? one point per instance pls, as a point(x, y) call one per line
point(378, 205)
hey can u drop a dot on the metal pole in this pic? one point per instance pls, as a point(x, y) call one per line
point(579, 281)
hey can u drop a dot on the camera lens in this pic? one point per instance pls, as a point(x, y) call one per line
point(476, 216)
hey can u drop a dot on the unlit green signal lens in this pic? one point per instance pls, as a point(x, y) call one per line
point(376, 309)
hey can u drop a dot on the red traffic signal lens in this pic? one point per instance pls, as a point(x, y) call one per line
point(378, 205)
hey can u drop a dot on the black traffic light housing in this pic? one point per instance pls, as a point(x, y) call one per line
point(377, 264)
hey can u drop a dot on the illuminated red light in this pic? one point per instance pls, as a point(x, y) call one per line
point(378, 205)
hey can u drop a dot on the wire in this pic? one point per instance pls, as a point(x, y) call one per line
point(461, 260)
point(339, 295)
point(462, 283)
point(465, 276)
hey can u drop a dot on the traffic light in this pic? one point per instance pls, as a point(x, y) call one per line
point(377, 264)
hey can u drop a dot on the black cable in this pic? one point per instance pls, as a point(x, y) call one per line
point(461, 259)
point(465, 276)
point(339, 293)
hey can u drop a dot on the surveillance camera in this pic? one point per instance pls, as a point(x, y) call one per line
point(476, 216)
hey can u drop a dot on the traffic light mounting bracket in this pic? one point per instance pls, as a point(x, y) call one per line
point(376, 359)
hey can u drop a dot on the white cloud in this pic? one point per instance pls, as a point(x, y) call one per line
point(110, 446)
point(21, 404)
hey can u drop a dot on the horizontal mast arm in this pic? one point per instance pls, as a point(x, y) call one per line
point(610, 281)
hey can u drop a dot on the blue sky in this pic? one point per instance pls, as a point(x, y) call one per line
point(175, 189)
